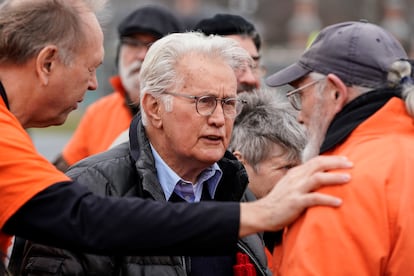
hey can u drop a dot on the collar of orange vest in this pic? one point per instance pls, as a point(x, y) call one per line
point(116, 83)
point(355, 113)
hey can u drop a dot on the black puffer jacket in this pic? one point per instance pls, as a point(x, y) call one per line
point(129, 171)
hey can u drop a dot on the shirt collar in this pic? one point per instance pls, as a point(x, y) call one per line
point(169, 179)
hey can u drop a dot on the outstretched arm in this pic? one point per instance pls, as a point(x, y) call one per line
point(68, 215)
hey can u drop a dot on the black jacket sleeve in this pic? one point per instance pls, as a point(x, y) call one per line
point(68, 215)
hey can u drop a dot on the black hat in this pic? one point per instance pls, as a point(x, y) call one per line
point(228, 24)
point(152, 19)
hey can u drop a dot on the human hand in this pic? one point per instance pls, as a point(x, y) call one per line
point(293, 194)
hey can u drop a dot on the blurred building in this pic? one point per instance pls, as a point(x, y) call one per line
point(285, 25)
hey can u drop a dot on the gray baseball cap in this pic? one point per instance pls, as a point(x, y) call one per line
point(358, 52)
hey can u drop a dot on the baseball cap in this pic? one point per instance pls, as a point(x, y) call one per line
point(228, 24)
point(358, 52)
point(152, 19)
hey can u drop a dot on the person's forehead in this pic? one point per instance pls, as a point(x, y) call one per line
point(196, 63)
point(246, 42)
point(94, 50)
point(207, 73)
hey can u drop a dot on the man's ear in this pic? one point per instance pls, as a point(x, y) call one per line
point(45, 62)
point(339, 91)
point(151, 106)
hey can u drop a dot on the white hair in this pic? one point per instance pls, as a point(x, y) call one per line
point(159, 69)
point(400, 74)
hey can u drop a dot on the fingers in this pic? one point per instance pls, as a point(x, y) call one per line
point(325, 163)
point(320, 179)
point(315, 173)
point(295, 191)
point(316, 199)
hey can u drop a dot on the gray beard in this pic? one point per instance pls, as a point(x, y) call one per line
point(130, 79)
point(316, 133)
point(312, 147)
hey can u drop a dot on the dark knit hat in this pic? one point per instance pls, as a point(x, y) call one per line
point(228, 24)
point(152, 19)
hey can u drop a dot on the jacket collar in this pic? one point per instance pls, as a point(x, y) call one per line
point(231, 186)
point(355, 113)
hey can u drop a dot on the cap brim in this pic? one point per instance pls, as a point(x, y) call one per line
point(287, 75)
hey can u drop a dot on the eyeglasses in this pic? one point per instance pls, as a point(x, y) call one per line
point(206, 105)
point(256, 68)
point(136, 43)
point(294, 96)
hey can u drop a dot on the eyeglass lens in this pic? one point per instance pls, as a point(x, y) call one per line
point(133, 42)
point(295, 100)
point(206, 105)
point(295, 96)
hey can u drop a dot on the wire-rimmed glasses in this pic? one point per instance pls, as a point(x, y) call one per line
point(136, 43)
point(294, 96)
point(206, 105)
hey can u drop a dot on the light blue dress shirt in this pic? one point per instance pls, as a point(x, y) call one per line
point(190, 192)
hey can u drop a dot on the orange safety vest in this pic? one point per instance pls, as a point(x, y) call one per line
point(372, 232)
point(23, 171)
point(102, 123)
